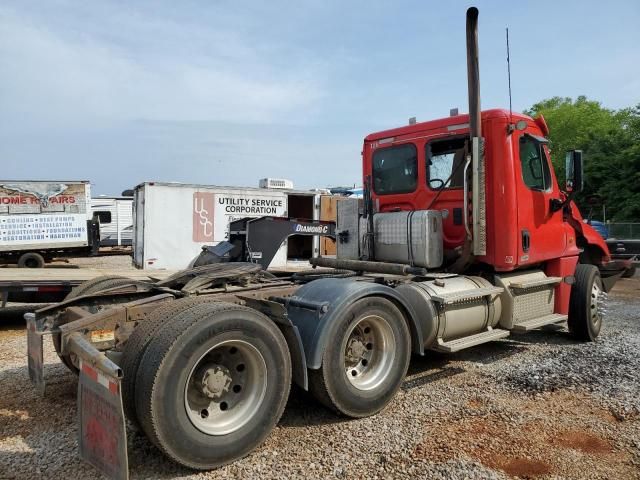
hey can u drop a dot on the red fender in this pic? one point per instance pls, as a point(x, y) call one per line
point(591, 238)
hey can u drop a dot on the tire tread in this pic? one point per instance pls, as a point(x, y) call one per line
point(320, 380)
point(579, 304)
point(25, 257)
point(153, 359)
point(138, 342)
point(92, 286)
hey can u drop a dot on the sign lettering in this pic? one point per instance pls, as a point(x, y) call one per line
point(230, 207)
point(312, 228)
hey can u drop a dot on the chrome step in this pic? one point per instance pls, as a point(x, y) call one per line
point(471, 341)
point(538, 322)
point(535, 283)
point(449, 298)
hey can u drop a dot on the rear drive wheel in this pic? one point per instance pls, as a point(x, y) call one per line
point(586, 304)
point(139, 340)
point(365, 363)
point(212, 384)
point(91, 286)
point(31, 260)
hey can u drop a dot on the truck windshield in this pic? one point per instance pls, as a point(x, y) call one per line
point(395, 169)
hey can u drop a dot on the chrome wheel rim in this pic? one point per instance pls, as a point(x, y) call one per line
point(597, 304)
point(225, 387)
point(369, 352)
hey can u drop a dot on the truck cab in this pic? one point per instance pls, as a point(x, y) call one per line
point(422, 167)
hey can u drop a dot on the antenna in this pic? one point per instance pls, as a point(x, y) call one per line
point(509, 76)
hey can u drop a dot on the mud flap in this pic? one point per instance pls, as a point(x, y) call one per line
point(35, 354)
point(102, 434)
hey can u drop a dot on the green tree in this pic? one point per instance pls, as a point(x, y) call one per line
point(612, 167)
point(610, 141)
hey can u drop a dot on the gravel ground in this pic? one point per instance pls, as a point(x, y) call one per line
point(532, 406)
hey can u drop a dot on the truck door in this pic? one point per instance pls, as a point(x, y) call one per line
point(445, 159)
point(540, 230)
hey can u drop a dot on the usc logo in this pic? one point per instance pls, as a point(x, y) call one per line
point(203, 216)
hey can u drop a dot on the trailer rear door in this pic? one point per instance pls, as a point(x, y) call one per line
point(125, 222)
point(138, 226)
point(328, 213)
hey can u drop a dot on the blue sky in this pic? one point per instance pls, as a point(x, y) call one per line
point(226, 93)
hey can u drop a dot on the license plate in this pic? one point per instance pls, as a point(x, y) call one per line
point(102, 433)
point(103, 336)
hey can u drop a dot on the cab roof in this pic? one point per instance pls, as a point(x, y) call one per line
point(444, 122)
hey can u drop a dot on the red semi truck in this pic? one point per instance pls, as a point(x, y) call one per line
point(464, 237)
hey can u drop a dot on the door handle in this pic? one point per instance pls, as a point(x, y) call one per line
point(526, 240)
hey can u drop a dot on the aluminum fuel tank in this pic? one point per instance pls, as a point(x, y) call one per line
point(450, 321)
point(413, 237)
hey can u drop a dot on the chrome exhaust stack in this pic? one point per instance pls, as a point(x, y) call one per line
point(473, 73)
point(478, 231)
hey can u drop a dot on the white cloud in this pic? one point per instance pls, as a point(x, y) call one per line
point(51, 78)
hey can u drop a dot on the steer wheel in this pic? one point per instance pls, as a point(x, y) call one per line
point(587, 304)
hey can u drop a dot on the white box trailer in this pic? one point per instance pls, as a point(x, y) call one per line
point(115, 215)
point(173, 221)
point(43, 219)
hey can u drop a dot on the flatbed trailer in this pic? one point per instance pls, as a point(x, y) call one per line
point(46, 285)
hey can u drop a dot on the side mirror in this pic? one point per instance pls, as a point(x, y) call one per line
point(573, 165)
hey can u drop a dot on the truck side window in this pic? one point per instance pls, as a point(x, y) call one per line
point(445, 158)
point(535, 169)
point(395, 169)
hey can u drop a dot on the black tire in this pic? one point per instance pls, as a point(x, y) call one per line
point(167, 365)
point(90, 286)
point(31, 260)
point(331, 385)
point(584, 319)
point(137, 343)
point(629, 272)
